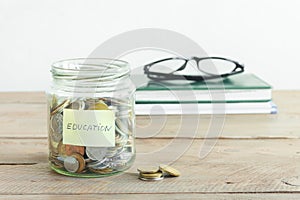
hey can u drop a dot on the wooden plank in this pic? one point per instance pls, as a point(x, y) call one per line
point(233, 166)
point(29, 120)
point(23, 120)
point(17, 120)
point(23, 97)
point(156, 196)
point(23, 151)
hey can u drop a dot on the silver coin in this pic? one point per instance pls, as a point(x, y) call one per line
point(89, 103)
point(121, 126)
point(119, 166)
point(71, 164)
point(113, 151)
point(121, 140)
point(95, 163)
point(57, 123)
point(56, 137)
point(120, 131)
point(96, 153)
point(77, 105)
point(56, 127)
point(151, 179)
point(124, 156)
point(99, 164)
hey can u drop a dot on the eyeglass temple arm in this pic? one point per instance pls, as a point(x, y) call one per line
point(146, 67)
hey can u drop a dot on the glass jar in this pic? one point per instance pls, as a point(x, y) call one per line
point(91, 117)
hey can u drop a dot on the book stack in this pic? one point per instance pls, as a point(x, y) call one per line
point(239, 94)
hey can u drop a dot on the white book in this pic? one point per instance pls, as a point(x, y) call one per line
point(206, 108)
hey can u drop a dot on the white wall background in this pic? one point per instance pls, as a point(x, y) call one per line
point(263, 34)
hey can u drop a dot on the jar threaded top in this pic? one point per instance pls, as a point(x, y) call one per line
point(90, 75)
point(100, 69)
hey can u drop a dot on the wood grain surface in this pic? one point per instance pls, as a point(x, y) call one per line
point(28, 112)
point(256, 156)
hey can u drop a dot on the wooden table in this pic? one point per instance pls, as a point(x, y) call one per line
point(256, 156)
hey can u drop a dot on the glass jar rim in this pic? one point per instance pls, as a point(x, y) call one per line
point(103, 68)
point(69, 64)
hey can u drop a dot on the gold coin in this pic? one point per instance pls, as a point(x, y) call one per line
point(153, 175)
point(81, 162)
point(169, 170)
point(53, 102)
point(101, 171)
point(61, 149)
point(53, 146)
point(100, 105)
point(148, 170)
point(60, 107)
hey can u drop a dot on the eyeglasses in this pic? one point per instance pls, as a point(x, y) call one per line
point(211, 67)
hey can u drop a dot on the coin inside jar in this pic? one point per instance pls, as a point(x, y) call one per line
point(61, 149)
point(74, 163)
point(96, 153)
point(77, 105)
point(98, 164)
point(101, 171)
point(100, 105)
point(60, 107)
point(57, 126)
point(70, 149)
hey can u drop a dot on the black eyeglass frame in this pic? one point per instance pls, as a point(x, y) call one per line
point(239, 68)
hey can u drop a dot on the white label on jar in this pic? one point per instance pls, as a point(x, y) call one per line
point(95, 128)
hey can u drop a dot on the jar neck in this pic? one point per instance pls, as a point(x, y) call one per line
point(91, 75)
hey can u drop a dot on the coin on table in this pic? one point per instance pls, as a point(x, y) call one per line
point(74, 163)
point(70, 149)
point(151, 175)
point(151, 179)
point(168, 170)
point(148, 170)
point(96, 153)
point(60, 107)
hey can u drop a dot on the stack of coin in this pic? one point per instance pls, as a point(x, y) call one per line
point(150, 174)
point(157, 173)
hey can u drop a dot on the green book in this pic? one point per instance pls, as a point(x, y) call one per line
point(234, 89)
